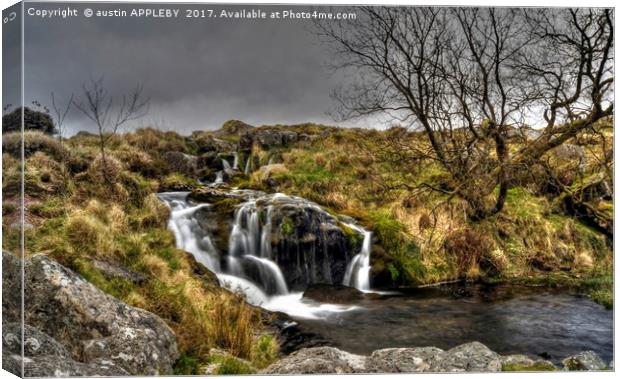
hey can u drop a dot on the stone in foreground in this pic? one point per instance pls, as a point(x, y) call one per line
point(586, 360)
point(318, 360)
point(472, 357)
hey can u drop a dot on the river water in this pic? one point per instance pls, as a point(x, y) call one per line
point(509, 320)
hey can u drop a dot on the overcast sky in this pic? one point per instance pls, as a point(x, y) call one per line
point(198, 73)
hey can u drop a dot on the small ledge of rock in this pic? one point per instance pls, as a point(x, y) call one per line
point(334, 294)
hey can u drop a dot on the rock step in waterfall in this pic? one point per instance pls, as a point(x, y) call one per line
point(277, 246)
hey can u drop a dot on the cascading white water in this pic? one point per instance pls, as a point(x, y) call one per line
point(246, 242)
point(358, 270)
point(188, 234)
point(248, 267)
point(219, 177)
point(246, 171)
point(235, 161)
point(226, 165)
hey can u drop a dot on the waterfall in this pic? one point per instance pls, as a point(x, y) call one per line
point(248, 242)
point(358, 271)
point(226, 165)
point(219, 177)
point(188, 234)
point(236, 161)
point(249, 266)
point(246, 171)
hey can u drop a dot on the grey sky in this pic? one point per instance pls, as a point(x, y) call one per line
point(198, 73)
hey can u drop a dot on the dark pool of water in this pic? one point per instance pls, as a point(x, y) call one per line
point(509, 320)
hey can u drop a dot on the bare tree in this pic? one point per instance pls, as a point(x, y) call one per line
point(60, 113)
point(473, 79)
point(108, 114)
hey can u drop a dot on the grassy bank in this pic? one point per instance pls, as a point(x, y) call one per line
point(104, 221)
point(425, 234)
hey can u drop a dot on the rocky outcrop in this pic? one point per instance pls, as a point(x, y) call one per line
point(268, 138)
point(469, 357)
point(307, 243)
point(181, 163)
point(584, 361)
point(63, 310)
point(113, 270)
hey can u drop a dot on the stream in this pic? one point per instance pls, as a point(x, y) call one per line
point(508, 319)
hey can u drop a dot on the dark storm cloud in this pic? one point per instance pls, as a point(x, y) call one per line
point(198, 73)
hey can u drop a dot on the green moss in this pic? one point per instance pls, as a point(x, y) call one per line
point(8, 207)
point(605, 297)
point(177, 182)
point(53, 207)
point(387, 229)
point(116, 287)
point(186, 364)
point(355, 238)
point(232, 366)
point(394, 272)
point(265, 351)
point(287, 227)
point(537, 366)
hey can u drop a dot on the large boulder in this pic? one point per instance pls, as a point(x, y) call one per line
point(12, 276)
point(44, 356)
point(181, 163)
point(93, 326)
point(418, 359)
point(308, 244)
point(586, 360)
point(318, 360)
point(472, 356)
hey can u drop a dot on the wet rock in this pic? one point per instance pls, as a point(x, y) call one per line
point(382, 267)
point(318, 360)
point(320, 259)
point(291, 335)
point(201, 272)
point(334, 294)
point(213, 195)
point(584, 361)
point(418, 359)
point(93, 326)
